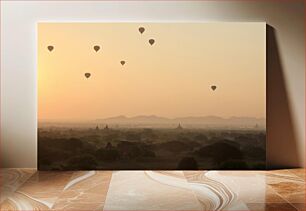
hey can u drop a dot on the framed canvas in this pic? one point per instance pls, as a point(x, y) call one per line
point(151, 96)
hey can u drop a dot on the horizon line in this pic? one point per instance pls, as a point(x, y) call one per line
point(152, 115)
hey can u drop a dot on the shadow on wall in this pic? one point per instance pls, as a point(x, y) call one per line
point(281, 141)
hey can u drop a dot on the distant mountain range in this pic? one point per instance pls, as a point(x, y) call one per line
point(204, 120)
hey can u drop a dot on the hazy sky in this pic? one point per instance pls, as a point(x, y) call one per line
point(172, 78)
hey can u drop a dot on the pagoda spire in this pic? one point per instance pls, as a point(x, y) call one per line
point(179, 127)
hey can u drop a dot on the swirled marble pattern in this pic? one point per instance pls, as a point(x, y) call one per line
point(11, 179)
point(27, 189)
point(220, 198)
point(149, 190)
point(85, 191)
point(39, 192)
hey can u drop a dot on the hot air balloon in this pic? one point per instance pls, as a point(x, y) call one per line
point(87, 75)
point(122, 62)
point(141, 30)
point(151, 41)
point(96, 48)
point(50, 48)
point(213, 87)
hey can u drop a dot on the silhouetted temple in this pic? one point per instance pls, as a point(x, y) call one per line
point(109, 145)
point(179, 127)
point(106, 127)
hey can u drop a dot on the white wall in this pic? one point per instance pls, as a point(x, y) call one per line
point(18, 61)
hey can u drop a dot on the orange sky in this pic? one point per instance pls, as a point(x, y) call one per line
point(172, 78)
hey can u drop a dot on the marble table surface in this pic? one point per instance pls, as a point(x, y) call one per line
point(29, 189)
